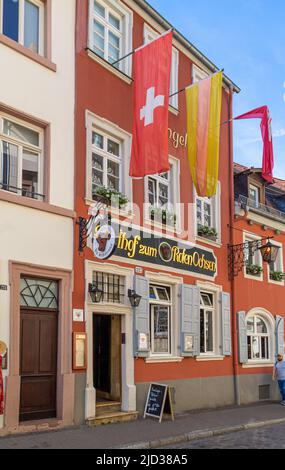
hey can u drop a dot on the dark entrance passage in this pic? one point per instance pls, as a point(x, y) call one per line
point(107, 356)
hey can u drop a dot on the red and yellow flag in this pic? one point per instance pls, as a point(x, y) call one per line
point(204, 104)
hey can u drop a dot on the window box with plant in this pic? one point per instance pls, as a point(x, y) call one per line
point(277, 276)
point(110, 196)
point(163, 216)
point(207, 232)
point(254, 270)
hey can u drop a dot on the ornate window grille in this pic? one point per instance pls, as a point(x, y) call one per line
point(39, 293)
point(112, 285)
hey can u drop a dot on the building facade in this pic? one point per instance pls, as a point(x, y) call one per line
point(258, 287)
point(181, 332)
point(37, 209)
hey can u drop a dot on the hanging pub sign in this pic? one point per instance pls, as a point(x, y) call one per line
point(104, 241)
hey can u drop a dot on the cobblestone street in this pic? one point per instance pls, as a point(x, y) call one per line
point(272, 437)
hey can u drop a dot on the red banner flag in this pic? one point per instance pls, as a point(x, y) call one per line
point(152, 67)
point(266, 131)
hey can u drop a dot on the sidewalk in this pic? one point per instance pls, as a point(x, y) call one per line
point(148, 433)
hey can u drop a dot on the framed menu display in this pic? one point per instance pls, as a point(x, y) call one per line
point(79, 351)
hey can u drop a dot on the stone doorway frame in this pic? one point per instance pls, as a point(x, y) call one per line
point(65, 377)
point(127, 357)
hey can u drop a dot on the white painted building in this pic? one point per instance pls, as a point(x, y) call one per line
point(37, 100)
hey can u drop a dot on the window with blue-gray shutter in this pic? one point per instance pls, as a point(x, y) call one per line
point(226, 324)
point(242, 337)
point(190, 320)
point(280, 335)
point(141, 318)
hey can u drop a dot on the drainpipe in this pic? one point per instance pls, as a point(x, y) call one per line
point(232, 201)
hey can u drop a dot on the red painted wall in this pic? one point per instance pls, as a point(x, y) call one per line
point(251, 294)
point(101, 92)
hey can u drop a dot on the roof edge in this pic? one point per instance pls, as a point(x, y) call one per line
point(185, 42)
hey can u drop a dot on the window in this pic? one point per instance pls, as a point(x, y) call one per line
point(254, 195)
point(23, 21)
point(21, 158)
point(204, 212)
point(151, 35)
point(198, 74)
point(112, 286)
point(276, 269)
point(258, 338)
point(208, 218)
point(39, 293)
point(108, 158)
point(160, 319)
point(110, 32)
point(253, 259)
point(206, 323)
point(106, 32)
point(106, 162)
point(159, 190)
point(162, 196)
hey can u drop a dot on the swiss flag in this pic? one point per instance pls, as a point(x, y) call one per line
point(152, 68)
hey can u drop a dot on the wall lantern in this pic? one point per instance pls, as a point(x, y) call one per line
point(96, 294)
point(134, 298)
point(269, 252)
point(237, 254)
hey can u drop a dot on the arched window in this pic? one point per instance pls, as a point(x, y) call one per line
point(258, 338)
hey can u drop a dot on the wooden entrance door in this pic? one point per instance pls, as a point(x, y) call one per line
point(107, 356)
point(38, 363)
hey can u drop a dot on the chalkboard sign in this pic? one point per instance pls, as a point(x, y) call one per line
point(159, 401)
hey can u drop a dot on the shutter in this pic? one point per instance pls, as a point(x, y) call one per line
point(190, 319)
point(280, 335)
point(242, 338)
point(226, 324)
point(141, 317)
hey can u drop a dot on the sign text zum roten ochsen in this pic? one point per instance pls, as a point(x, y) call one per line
point(184, 257)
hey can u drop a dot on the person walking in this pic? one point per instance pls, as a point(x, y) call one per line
point(279, 374)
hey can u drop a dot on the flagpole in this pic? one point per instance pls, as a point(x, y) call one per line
point(141, 47)
point(186, 88)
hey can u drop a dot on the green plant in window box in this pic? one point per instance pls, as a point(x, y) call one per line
point(277, 276)
point(162, 216)
point(254, 270)
point(110, 195)
point(207, 232)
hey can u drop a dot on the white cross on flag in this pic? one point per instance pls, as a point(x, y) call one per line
point(152, 68)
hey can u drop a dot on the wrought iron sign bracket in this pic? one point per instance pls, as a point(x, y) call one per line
point(84, 226)
point(237, 255)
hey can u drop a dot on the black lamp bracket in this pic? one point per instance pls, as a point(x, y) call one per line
point(237, 255)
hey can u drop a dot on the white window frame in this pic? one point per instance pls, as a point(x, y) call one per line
point(174, 282)
point(215, 291)
point(21, 145)
point(256, 200)
point(198, 74)
point(214, 314)
point(150, 35)
point(215, 202)
point(174, 192)
point(270, 324)
point(100, 125)
point(278, 265)
point(21, 32)
point(163, 303)
point(107, 156)
point(120, 11)
point(249, 237)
